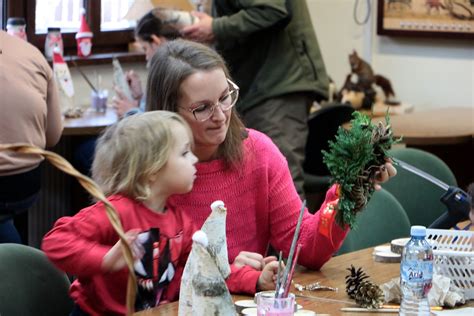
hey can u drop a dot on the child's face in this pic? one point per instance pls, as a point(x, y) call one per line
point(178, 174)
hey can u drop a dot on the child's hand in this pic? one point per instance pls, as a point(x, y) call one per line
point(122, 104)
point(268, 277)
point(135, 84)
point(252, 259)
point(114, 259)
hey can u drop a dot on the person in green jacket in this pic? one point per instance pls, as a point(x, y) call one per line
point(274, 57)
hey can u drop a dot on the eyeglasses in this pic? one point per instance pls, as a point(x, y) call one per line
point(203, 111)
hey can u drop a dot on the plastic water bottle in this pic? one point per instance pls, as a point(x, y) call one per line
point(416, 273)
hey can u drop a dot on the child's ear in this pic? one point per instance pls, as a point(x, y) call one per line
point(153, 177)
point(157, 39)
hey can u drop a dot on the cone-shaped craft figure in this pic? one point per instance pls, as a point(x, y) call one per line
point(84, 37)
point(63, 80)
point(203, 288)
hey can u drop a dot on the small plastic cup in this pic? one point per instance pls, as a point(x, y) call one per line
point(99, 100)
point(268, 305)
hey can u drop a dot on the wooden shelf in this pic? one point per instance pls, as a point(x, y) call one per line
point(105, 58)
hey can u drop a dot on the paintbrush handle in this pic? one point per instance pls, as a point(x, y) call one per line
point(84, 76)
point(292, 271)
point(293, 245)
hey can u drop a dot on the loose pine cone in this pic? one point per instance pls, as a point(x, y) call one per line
point(369, 295)
point(354, 280)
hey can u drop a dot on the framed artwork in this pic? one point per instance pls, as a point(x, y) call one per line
point(426, 18)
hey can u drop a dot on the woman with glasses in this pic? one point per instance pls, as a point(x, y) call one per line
point(239, 166)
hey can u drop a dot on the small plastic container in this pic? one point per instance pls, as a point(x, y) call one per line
point(17, 27)
point(268, 305)
point(99, 100)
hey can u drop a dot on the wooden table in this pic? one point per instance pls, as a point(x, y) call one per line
point(332, 274)
point(447, 133)
point(90, 123)
point(444, 126)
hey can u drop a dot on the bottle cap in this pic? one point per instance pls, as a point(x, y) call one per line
point(16, 21)
point(418, 231)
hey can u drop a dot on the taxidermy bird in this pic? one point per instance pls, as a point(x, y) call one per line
point(203, 288)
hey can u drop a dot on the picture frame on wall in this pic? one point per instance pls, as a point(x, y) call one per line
point(426, 18)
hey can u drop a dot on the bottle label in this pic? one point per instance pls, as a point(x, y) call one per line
point(417, 271)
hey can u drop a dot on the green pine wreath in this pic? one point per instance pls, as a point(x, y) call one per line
point(353, 160)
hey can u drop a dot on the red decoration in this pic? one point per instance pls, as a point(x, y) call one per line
point(84, 37)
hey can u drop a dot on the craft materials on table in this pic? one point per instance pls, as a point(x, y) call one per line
point(385, 254)
point(284, 281)
point(316, 286)
point(203, 290)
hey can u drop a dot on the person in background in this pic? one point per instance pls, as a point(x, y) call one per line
point(239, 166)
point(139, 163)
point(150, 33)
point(273, 55)
point(30, 114)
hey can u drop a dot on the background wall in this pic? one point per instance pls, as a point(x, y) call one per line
point(427, 73)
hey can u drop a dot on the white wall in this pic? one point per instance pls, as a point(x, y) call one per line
point(427, 73)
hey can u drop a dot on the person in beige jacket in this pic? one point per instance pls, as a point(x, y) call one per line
point(30, 113)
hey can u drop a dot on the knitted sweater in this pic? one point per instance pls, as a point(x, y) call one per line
point(262, 204)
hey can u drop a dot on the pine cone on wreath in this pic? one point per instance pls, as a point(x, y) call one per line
point(354, 280)
point(369, 295)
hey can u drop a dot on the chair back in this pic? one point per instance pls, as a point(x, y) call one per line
point(30, 284)
point(383, 220)
point(322, 127)
point(419, 197)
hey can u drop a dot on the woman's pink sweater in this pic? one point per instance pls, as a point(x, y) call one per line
point(262, 204)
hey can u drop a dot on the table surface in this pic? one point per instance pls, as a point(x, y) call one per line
point(332, 274)
point(443, 126)
point(90, 123)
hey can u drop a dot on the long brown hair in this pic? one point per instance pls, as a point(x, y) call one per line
point(172, 63)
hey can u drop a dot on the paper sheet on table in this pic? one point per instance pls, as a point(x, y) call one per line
point(468, 311)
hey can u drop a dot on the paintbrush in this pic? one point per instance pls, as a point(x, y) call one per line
point(84, 76)
point(280, 291)
point(292, 271)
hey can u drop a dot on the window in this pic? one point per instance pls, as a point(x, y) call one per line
point(112, 13)
point(65, 14)
point(105, 18)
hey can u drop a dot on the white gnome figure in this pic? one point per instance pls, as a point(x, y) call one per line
point(84, 37)
point(203, 288)
point(63, 80)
